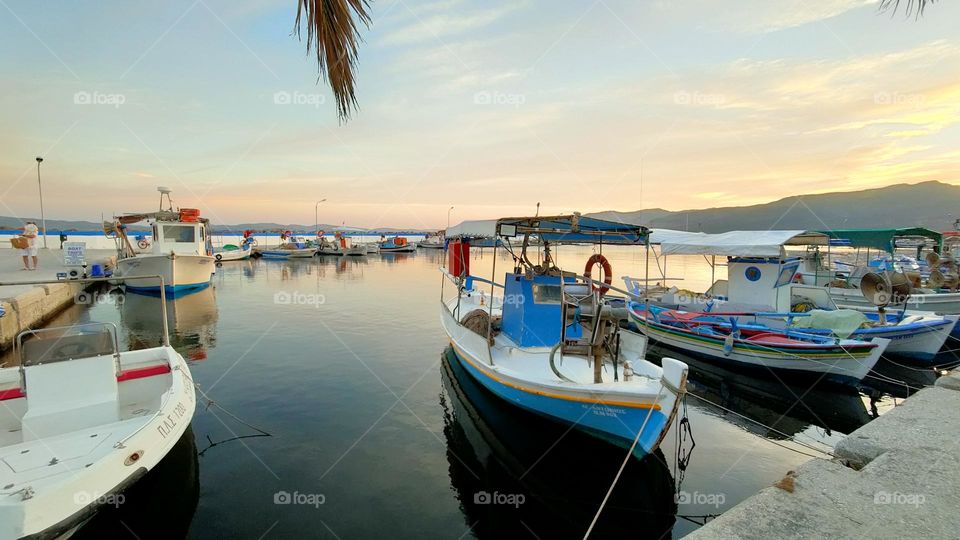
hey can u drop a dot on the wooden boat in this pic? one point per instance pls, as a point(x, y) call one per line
point(82, 421)
point(721, 339)
point(397, 244)
point(435, 240)
point(232, 252)
point(548, 344)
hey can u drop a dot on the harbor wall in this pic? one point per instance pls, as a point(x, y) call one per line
point(896, 477)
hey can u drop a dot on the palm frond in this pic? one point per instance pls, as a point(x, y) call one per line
point(911, 7)
point(333, 35)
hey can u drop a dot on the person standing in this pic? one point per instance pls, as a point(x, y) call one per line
point(30, 232)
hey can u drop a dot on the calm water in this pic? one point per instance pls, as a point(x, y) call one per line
point(344, 363)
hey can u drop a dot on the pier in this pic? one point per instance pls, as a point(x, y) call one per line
point(896, 477)
point(29, 306)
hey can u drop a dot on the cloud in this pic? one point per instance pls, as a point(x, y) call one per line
point(454, 22)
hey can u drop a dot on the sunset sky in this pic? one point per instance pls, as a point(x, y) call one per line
point(486, 106)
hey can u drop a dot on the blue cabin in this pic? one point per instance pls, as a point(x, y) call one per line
point(532, 315)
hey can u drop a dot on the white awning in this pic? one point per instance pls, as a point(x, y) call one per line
point(734, 243)
point(483, 228)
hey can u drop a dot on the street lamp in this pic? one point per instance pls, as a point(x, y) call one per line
point(448, 216)
point(316, 220)
point(43, 220)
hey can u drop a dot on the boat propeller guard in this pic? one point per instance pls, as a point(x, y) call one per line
point(607, 271)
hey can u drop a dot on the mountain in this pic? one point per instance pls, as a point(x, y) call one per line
point(934, 205)
point(7, 223)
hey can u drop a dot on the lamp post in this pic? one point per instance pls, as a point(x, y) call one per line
point(43, 220)
point(316, 219)
point(448, 216)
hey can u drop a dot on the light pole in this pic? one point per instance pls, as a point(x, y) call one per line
point(43, 220)
point(316, 220)
point(448, 216)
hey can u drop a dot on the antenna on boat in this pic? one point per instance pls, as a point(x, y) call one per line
point(538, 210)
point(165, 191)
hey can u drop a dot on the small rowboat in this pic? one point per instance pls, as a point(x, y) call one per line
point(721, 339)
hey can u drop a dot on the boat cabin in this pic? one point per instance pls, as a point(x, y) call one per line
point(180, 237)
point(532, 311)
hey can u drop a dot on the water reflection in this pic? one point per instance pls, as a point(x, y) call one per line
point(160, 505)
point(192, 320)
point(790, 409)
point(560, 475)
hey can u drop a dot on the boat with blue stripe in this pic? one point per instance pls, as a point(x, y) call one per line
point(545, 341)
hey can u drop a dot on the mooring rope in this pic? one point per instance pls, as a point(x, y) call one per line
point(625, 460)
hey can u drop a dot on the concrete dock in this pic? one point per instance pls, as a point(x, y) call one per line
point(896, 477)
point(30, 306)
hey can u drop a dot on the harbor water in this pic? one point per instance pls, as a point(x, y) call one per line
point(374, 432)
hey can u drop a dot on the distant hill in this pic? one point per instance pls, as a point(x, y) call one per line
point(7, 222)
point(934, 205)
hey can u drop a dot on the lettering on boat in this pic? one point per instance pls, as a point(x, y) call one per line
point(172, 419)
point(604, 410)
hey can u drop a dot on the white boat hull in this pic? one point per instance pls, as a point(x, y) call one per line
point(180, 272)
point(72, 457)
point(943, 303)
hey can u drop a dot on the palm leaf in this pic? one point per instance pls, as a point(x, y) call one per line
point(912, 6)
point(333, 35)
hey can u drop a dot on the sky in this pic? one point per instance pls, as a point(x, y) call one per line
point(489, 107)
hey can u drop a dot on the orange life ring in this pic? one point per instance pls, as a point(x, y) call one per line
point(607, 271)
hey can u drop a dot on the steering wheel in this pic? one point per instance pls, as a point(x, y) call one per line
point(72, 350)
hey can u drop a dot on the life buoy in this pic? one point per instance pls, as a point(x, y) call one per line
point(219, 257)
point(320, 234)
point(607, 271)
point(143, 244)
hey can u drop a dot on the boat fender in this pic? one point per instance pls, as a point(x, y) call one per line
point(728, 345)
point(607, 271)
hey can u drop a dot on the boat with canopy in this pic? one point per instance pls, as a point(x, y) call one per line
point(544, 339)
point(762, 292)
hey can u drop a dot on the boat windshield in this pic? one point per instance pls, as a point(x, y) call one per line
point(179, 233)
point(49, 345)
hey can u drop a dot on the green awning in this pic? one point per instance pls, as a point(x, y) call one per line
point(882, 239)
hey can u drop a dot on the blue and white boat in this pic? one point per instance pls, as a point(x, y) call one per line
point(233, 252)
point(763, 291)
point(180, 251)
point(545, 341)
point(397, 244)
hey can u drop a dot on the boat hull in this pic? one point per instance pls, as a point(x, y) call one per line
point(943, 303)
point(616, 420)
point(232, 255)
point(83, 477)
point(181, 273)
point(848, 364)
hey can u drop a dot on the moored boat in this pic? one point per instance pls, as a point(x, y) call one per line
point(82, 421)
point(547, 342)
point(180, 251)
point(397, 244)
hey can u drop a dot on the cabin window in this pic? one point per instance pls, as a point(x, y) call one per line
point(179, 233)
point(546, 294)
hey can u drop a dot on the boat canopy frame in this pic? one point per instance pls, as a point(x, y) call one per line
point(882, 239)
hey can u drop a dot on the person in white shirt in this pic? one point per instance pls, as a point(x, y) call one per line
point(30, 232)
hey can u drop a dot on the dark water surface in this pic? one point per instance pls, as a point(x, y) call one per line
point(375, 433)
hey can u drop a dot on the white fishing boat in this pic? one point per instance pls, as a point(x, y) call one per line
point(233, 252)
point(81, 421)
point(180, 251)
point(291, 247)
point(549, 344)
point(436, 240)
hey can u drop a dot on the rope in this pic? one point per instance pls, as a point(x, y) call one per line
point(790, 437)
point(623, 465)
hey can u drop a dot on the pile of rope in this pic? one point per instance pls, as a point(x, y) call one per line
point(478, 321)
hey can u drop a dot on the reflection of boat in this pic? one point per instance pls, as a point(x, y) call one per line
point(397, 244)
point(788, 408)
point(545, 344)
point(81, 422)
point(179, 252)
point(174, 483)
point(496, 451)
point(192, 320)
